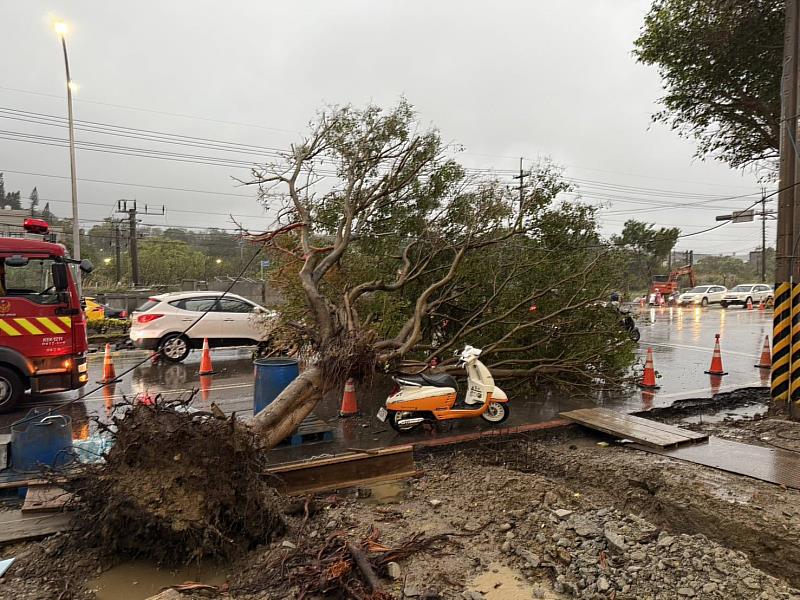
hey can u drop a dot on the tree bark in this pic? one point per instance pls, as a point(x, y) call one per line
point(279, 419)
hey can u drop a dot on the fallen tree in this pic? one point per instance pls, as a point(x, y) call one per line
point(386, 249)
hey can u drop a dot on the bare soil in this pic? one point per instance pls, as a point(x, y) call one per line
point(554, 516)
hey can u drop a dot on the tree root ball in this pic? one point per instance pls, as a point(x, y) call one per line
point(177, 487)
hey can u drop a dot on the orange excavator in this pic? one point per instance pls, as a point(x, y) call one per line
point(667, 285)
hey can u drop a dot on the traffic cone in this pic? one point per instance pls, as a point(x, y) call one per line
point(766, 357)
point(749, 304)
point(205, 360)
point(762, 305)
point(205, 387)
point(109, 375)
point(649, 376)
point(349, 402)
point(716, 360)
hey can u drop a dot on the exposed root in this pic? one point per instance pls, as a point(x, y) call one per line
point(177, 486)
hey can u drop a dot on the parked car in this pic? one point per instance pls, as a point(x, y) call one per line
point(231, 320)
point(703, 295)
point(755, 292)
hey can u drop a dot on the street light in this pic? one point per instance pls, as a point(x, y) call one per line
point(61, 29)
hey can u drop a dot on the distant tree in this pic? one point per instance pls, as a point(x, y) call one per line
point(34, 201)
point(645, 248)
point(720, 64)
point(165, 261)
point(724, 270)
point(13, 200)
point(47, 215)
point(2, 188)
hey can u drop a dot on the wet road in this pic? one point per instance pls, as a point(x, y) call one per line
point(682, 341)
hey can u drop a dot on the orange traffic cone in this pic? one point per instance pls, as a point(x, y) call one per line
point(205, 360)
point(716, 360)
point(649, 376)
point(205, 387)
point(109, 375)
point(749, 304)
point(762, 305)
point(766, 357)
point(349, 402)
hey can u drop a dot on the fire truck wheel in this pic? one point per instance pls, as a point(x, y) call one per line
point(174, 347)
point(11, 389)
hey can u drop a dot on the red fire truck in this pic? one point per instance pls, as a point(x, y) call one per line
point(42, 327)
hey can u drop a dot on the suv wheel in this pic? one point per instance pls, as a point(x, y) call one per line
point(723, 304)
point(704, 302)
point(11, 389)
point(174, 347)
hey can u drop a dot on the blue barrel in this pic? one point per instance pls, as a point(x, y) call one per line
point(41, 439)
point(272, 377)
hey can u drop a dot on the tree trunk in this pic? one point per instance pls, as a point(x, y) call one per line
point(280, 418)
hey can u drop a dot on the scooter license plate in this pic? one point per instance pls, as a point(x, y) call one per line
point(382, 414)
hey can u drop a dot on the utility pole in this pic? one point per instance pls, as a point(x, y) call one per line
point(785, 380)
point(130, 208)
point(522, 175)
point(117, 253)
point(763, 235)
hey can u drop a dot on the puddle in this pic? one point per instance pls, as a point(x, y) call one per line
point(388, 492)
point(729, 413)
point(501, 583)
point(138, 580)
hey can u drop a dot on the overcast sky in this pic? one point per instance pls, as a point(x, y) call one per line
point(504, 79)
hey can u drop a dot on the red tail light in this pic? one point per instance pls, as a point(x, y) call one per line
point(142, 319)
point(123, 314)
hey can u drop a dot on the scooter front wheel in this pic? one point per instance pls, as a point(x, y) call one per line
point(496, 413)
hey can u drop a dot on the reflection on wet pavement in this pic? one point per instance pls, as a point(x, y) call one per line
point(682, 341)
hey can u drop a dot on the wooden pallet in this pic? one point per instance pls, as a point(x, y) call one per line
point(312, 429)
point(16, 526)
point(45, 498)
point(642, 431)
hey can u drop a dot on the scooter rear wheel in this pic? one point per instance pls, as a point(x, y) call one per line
point(396, 416)
point(496, 413)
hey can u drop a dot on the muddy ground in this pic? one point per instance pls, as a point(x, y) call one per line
point(548, 516)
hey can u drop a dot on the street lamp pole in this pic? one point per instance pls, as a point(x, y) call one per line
point(61, 30)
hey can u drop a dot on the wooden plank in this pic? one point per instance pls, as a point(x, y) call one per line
point(692, 435)
point(625, 426)
point(17, 527)
point(45, 498)
point(347, 470)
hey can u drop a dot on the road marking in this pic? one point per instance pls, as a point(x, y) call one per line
point(178, 391)
point(700, 349)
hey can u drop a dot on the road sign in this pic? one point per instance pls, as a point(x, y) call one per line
point(265, 264)
point(743, 216)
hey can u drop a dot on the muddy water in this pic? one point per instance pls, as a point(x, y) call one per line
point(501, 583)
point(389, 492)
point(137, 580)
point(728, 413)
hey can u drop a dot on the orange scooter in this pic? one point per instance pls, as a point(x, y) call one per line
point(433, 397)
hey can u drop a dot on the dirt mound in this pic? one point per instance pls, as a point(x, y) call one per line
point(177, 486)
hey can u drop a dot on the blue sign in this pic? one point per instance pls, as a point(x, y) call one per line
point(264, 264)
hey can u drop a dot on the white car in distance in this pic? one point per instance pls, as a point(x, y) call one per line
point(703, 295)
point(160, 323)
point(755, 292)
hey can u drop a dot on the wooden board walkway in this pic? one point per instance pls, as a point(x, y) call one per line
point(16, 526)
point(642, 431)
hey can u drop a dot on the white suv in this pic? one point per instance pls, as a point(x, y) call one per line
point(755, 292)
point(703, 294)
point(231, 320)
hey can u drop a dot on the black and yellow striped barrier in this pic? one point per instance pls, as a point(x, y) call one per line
point(781, 338)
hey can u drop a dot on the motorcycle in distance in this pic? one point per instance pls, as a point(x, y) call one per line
point(434, 397)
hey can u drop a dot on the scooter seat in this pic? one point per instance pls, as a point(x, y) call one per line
point(434, 379)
